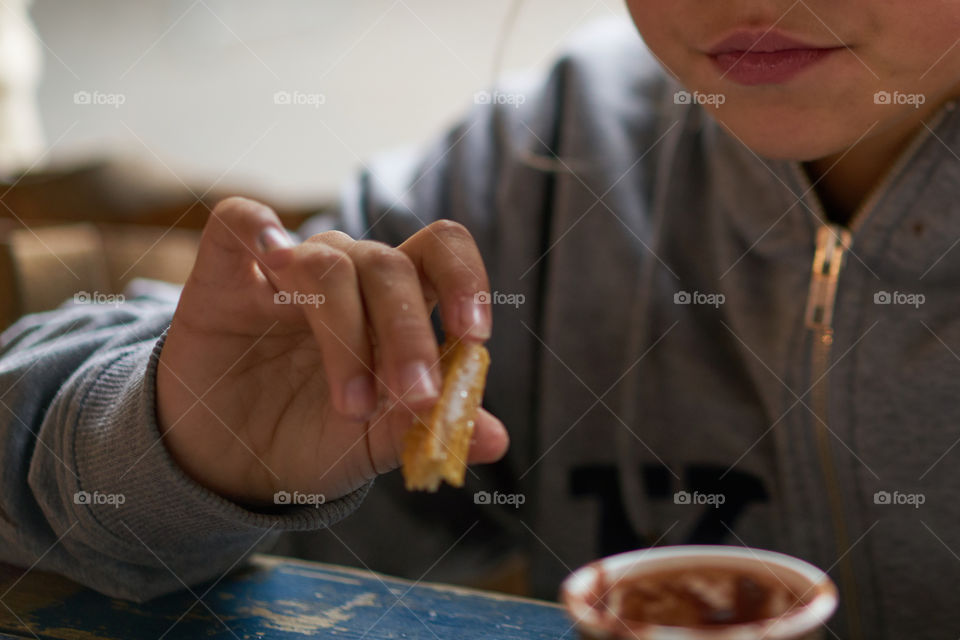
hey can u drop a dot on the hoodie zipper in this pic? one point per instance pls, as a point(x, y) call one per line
point(833, 245)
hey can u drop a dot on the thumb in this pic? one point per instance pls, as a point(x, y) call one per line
point(489, 442)
point(490, 439)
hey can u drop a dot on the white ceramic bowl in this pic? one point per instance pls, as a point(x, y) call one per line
point(578, 593)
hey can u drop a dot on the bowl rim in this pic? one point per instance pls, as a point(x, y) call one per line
point(797, 623)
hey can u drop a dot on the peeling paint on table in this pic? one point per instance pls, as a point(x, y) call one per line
point(276, 598)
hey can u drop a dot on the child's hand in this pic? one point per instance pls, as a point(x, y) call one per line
point(260, 391)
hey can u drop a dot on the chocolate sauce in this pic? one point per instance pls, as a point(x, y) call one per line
point(702, 597)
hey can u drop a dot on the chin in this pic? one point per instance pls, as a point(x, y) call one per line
point(797, 137)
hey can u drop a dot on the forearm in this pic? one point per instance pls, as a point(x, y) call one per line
point(89, 489)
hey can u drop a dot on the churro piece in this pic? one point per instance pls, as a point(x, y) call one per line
point(438, 442)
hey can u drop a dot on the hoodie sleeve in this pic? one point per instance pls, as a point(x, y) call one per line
point(87, 489)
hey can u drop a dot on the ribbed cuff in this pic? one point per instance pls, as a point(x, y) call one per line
point(119, 454)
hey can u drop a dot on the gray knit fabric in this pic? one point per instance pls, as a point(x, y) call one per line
point(77, 417)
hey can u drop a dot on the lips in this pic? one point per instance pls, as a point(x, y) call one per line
point(765, 57)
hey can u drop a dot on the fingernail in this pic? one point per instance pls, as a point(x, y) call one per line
point(273, 238)
point(418, 383)
point(359, 396)
point(474, 317)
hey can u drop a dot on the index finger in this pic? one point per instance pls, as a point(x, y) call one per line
point(449, 261)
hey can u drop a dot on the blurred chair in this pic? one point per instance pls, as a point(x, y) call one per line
point(94, 227)
point(42, 267)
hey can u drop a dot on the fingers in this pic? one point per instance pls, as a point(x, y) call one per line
point(449, 261)
point(316, 283)
point(326, 286)
point(358, 298)
point(351, 292)
point(398, 315)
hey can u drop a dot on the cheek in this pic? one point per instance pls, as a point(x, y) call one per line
point(916, 46)
point(658, 23)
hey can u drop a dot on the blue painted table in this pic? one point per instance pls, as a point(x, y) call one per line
point(275, 598)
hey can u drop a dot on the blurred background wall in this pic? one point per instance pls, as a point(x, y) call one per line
point(192, 83)
point(123, 122)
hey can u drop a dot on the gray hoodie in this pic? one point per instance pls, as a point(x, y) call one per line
point(684, 350)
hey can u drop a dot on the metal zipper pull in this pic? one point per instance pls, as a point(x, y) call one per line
point(832, 244)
